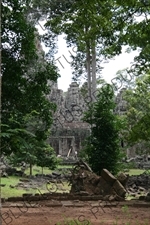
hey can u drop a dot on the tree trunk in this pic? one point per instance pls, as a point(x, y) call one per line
point(93, 71)
point(30, 169)
point(88, 65)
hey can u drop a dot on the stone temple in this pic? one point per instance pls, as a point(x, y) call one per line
point(69, 131)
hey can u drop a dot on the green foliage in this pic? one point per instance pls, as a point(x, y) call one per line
point(101, 27)
point(138, 112)
point(40, 155)
point(87, 25)
point(26, 110)
point(47, 158)
point(136, 34)
point(102, 146)
point(29, 146)
point(111, 24)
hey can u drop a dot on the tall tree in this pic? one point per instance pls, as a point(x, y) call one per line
point(26, 73)
point(102, 146)
point(92, 27)
point(99, 29)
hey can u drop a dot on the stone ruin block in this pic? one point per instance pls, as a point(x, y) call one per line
point(123, 179)
point(119, 189)
point(107, 176)
point(103, 187)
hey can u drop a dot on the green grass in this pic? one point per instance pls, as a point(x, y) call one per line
point(7, 191)
point(37, 169)
point(135, 172)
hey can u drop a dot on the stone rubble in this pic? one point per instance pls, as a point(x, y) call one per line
point(85, 182)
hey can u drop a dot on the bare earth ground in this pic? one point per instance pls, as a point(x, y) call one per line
point(42, 215)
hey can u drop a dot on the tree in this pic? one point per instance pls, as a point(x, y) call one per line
point(99, 29)
point(136, 33)
point(27, 147)
point(47, 158)
point(138, 111)
point(91, 27)
point(26, 74)
point(102, 146)
point(32, 154)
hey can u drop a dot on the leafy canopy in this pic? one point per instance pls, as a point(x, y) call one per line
point(26, 74)
point(138, 111)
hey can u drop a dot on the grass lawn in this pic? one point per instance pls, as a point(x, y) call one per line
point(37, 169)
point(7, 191)
point(135, 172)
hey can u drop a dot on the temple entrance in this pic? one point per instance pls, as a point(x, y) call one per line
point(63, 145)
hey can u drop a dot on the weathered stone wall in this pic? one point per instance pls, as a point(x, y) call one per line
point(68, 118)
point(68, 130)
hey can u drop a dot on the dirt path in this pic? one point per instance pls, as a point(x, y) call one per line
point(41, 215)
